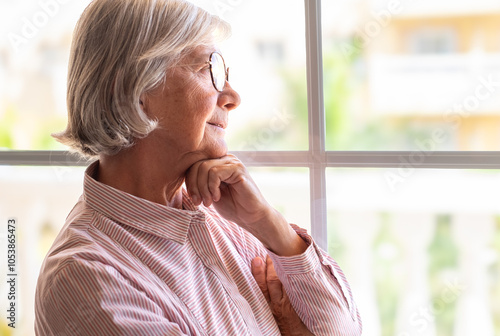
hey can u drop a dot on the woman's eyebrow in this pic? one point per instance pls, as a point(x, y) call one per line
point(204, 57)
point(200, 60)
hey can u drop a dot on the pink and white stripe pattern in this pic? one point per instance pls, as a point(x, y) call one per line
point(125, 266)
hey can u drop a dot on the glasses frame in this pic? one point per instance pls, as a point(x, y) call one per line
point(226, 71)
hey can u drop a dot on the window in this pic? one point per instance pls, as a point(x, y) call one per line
point(389, 158)
point(433, 41)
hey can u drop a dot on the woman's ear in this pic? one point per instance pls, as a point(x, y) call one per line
point(143, 103)
point(146, 106)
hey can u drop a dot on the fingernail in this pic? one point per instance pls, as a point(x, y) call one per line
point(258, 262)
point(195, 199)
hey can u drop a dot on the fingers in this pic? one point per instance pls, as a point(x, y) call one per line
point(274, 285)
point(204, 178)
point(268, 281)
point(259, 273)
point(286, 317)
point(192, 185)
point(198, 179)
point(204, 171)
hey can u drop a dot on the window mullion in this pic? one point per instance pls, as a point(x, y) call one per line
point(316, 122)
point(414, 159)
point(333, 159)
point(41, 158)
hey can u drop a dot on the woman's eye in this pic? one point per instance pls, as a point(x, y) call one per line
point(205, 71)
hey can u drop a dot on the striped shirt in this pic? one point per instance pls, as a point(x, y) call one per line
point(123, 265)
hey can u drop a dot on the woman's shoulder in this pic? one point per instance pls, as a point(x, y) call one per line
point(74, 243)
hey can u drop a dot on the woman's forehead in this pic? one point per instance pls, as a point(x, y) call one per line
point(200, 54)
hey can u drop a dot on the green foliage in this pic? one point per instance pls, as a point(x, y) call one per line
point(43, 140)
point(495, 276)
point(40, 139)
point(338, 86)
point(296, 95)
point(442, 250)
point(387, 271)
point(7, 120)
point(336, 245)
point(338, 82)
point(443, 260)
point(5, 330)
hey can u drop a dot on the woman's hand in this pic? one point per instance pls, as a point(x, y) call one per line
point(226, 184)
point(287, 319)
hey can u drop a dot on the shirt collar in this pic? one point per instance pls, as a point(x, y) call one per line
point(139, 213)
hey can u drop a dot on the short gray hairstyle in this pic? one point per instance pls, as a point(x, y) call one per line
point(122, 49)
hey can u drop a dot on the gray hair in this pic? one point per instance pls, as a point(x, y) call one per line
point(120, 50)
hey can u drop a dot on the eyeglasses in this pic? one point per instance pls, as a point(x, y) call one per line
point(218, 71)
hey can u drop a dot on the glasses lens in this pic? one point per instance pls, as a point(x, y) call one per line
point(218, 71)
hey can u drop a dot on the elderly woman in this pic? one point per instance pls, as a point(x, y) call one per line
point(171, 236)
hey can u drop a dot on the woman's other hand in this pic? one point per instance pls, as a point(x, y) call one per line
point(287, 319)
point(226, 183)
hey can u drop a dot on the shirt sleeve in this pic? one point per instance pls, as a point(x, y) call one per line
point(316, 286)
point(90, 298)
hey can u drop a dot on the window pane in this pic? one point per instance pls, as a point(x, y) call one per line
point(33, 66)
point(423, 256)
point(40, 198)
point(266, 56)
point(412, 75)
point(291, 199)
point(267, 60)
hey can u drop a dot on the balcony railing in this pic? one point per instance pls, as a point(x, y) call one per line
point(427, 8)
point(433, 84)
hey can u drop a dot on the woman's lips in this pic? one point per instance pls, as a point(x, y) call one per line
point(216, 124)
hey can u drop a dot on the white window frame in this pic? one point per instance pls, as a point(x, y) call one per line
point(316, 158)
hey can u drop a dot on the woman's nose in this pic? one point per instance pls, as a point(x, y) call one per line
point(229, 98)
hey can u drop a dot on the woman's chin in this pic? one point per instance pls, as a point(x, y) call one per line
point(221, 151)
point(217, 150)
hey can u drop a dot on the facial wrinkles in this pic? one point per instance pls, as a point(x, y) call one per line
point(195, 90)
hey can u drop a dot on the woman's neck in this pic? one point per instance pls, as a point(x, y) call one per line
point(132, 171)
